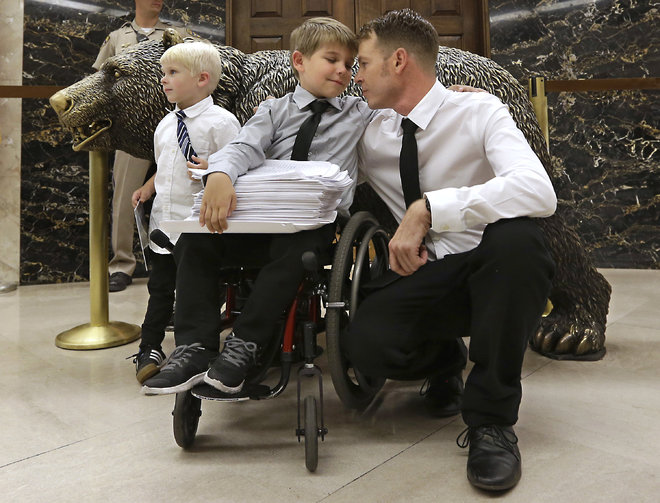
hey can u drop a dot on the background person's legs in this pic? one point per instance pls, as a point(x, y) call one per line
point(128, 175)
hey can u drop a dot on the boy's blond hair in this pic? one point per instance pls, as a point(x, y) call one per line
point(196, 57)
point(318, 31)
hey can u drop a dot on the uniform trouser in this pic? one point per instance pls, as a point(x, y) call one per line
point(199, 259)
point(128, 174)
point(161, 286)
point(495, 294)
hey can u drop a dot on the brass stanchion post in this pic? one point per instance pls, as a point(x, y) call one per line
point(100, 332)
point(540, 103)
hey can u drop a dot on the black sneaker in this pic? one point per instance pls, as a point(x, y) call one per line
point(184, 368)
point(147, 362)
point(228, 372)
point(443, 395)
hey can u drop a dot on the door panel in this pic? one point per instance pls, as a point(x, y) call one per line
point(255, 25)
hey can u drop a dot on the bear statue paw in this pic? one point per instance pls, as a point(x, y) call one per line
point(563, 337)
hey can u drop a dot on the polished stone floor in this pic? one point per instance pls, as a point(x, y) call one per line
point(73, 426)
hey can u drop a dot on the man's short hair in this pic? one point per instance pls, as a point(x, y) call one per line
point(318, 31)
point(196, 57)
point(404, 28)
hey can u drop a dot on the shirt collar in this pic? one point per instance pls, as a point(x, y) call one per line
point(197, 108)
point(302, 97)
point(158, 26)
point(428, 105)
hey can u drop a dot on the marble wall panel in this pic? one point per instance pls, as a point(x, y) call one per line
point(61, 41)
point(11, 55)
point(606, 144)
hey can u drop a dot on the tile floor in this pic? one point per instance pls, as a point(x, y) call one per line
point(73, 426)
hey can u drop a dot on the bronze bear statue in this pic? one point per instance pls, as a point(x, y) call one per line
point(119, 107)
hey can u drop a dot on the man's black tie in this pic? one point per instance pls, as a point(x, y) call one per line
point(408, 163)
point(184, 139)
point(307, 131)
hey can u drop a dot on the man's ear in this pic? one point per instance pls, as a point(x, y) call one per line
point(297, 60)
point(400, 59)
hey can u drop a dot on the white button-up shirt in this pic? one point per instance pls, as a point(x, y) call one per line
point(475, 166)
point(210, 128)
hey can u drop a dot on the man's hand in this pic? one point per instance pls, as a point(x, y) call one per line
point(466, 89)
point(218, 202)
point(407, 251)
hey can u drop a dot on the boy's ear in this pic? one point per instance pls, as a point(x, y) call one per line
point(297, 60)
point(203, 79)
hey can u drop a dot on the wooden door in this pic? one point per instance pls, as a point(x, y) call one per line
point(462, 24)
point(256, 25)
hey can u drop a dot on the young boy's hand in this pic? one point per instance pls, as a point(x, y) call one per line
point(218, 202)
point(142, 194)
point(198, 163)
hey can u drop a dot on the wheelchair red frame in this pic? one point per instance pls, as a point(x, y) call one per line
point(360, 255)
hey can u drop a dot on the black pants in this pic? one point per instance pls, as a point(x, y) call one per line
point(495, 294)
point(161, 286)
point(200, 258)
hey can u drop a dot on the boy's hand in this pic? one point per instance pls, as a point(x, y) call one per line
point(218, 202)
point(198, 164)
point(466, 89)
point(141, 195)
point(407, 251)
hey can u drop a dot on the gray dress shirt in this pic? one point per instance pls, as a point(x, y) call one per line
point(271, 133)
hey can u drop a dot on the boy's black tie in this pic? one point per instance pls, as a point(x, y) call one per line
point(184, 139)
point(408, 163)
point(307, 131)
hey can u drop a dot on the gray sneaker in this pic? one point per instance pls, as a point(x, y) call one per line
point(184, 368)
point(228, 372)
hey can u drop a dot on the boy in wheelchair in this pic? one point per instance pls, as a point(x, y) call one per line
point(311, 123)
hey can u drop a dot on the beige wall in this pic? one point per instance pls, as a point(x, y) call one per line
point(11, 64)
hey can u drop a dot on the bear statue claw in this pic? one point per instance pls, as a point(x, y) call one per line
point(560, 339)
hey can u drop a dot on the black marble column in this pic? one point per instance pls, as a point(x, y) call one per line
point(61, 41)
point(606, 144)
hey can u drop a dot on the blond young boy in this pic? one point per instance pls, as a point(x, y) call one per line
point(322, 55)
point(191, 72)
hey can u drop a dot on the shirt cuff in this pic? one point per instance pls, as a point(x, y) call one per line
point(446, 215)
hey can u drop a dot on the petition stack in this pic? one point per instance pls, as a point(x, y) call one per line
point(302, 194)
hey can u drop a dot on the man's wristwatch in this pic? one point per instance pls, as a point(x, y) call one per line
point(428, 208)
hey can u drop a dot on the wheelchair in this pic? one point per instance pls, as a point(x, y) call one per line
point(326, 301)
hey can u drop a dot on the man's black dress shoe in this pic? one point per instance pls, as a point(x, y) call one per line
point(119, 281)
point(443, 395)
point(494, 459)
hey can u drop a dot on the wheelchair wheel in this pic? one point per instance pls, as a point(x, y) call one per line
point(311, 434)
point(187, 410)
point(361, 255)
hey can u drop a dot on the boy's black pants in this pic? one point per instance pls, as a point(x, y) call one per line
point(161, 286)
point(200, 259)
point(494, 294)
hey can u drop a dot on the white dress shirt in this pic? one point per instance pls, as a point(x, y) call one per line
point(475, 166)
point(210, 128)
point(271, 134)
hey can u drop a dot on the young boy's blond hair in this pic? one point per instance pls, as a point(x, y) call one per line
point(318, 31)
point(196, 57)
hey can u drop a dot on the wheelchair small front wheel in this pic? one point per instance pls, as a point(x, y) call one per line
point(361, 255)
point(186, 413)
point(311, 434)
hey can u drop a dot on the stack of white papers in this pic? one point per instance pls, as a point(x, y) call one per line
point(279, 196)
